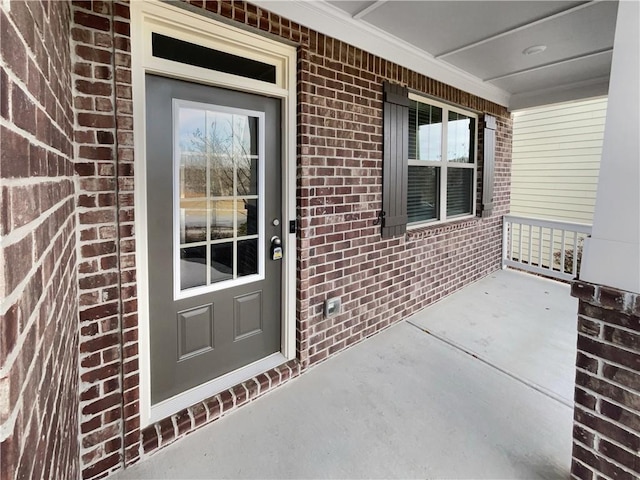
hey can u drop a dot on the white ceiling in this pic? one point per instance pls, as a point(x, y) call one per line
point(477, 45)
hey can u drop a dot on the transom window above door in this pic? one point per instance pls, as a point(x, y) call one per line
point(442, 162)
point(218, 216)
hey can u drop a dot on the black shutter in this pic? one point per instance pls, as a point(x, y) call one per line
point(395, 166)
point(488, 169)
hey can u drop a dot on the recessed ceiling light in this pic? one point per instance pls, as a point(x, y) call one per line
point(535, 49)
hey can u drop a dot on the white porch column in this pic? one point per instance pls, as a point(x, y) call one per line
point(612, 255)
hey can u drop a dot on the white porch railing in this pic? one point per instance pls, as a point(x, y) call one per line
point(547, 247)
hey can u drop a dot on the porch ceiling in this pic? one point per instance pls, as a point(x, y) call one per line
point(478, 45)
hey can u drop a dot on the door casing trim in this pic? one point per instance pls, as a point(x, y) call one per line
point(154, 16)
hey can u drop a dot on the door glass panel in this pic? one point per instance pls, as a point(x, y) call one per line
point(218, 204)
point(247, 257)
point(222, 219)
point(193, 267)
point(193, 175)
point(247, 176)
point(247, 217)
point(245, 138)
point(193, 220)
point(220, 175)
point(193, 170)
point(221, 262)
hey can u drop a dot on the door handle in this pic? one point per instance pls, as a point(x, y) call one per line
point(276, 248)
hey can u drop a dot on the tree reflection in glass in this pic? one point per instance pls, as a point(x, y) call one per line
point(218, 180)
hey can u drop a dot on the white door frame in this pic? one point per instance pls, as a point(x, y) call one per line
point(154, 16)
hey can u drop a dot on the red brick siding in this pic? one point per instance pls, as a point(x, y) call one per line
point(107, 292)
point(339, 251)
point(38, 283)
point(606, 433)
point(340, 193)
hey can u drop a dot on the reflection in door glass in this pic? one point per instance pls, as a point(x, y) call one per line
point(193, 267)
point(247, 217)
point(245, 135)
point(193, 221)
point(247, 169)
point(247, 257)
point(222, 219)
point(221, 262)
point(218, 190)
point(220, 175)
point(193, 161)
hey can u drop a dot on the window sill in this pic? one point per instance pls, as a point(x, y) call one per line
point(423, 231)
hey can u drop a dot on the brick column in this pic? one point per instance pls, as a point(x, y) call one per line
point(606, 432)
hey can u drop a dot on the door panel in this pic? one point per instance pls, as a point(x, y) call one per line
point(213, 191)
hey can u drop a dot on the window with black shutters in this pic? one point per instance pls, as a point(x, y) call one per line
point(442, 162)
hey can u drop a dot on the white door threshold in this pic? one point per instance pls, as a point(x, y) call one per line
point(197, 394)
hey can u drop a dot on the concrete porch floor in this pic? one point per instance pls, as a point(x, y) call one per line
point(485, 394)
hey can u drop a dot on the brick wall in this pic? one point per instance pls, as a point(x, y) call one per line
point(606, 432)
point(106, 249)
point(339, 251)
point(38, 280)
point(340, 184)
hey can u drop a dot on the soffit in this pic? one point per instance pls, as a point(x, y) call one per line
point(478, 45)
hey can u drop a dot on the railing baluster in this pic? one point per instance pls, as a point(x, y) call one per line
point(530, 241)
point(574, 269)
point(562, 250)
point(551, 249)
point(540, 246)
point(520, 244)
point(506, 244)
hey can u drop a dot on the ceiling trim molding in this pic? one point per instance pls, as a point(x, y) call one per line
point(517, 29)
point(592, 88)
point(552, 64)
point(323, 17)
point(369, 8)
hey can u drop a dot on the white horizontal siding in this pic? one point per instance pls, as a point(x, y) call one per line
point(556, 160)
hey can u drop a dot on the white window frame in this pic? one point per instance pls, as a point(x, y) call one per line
point(178, 292)
point(444, 164)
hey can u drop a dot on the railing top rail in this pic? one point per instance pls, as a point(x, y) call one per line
point(555, 224)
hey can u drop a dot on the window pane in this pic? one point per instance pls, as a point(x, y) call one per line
point(217, 194)
point(199, 56)
point(221, 262)
point(460, 137)
point(423, 193)
point(459, 191)
point(193, 267)
point(222, 212)
point(221, 175)
point(247, 217)
point(247, 257)
point(425, 132)
point(245, 135)
point(193, 166)
point(247, 169)
point(193, 221)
